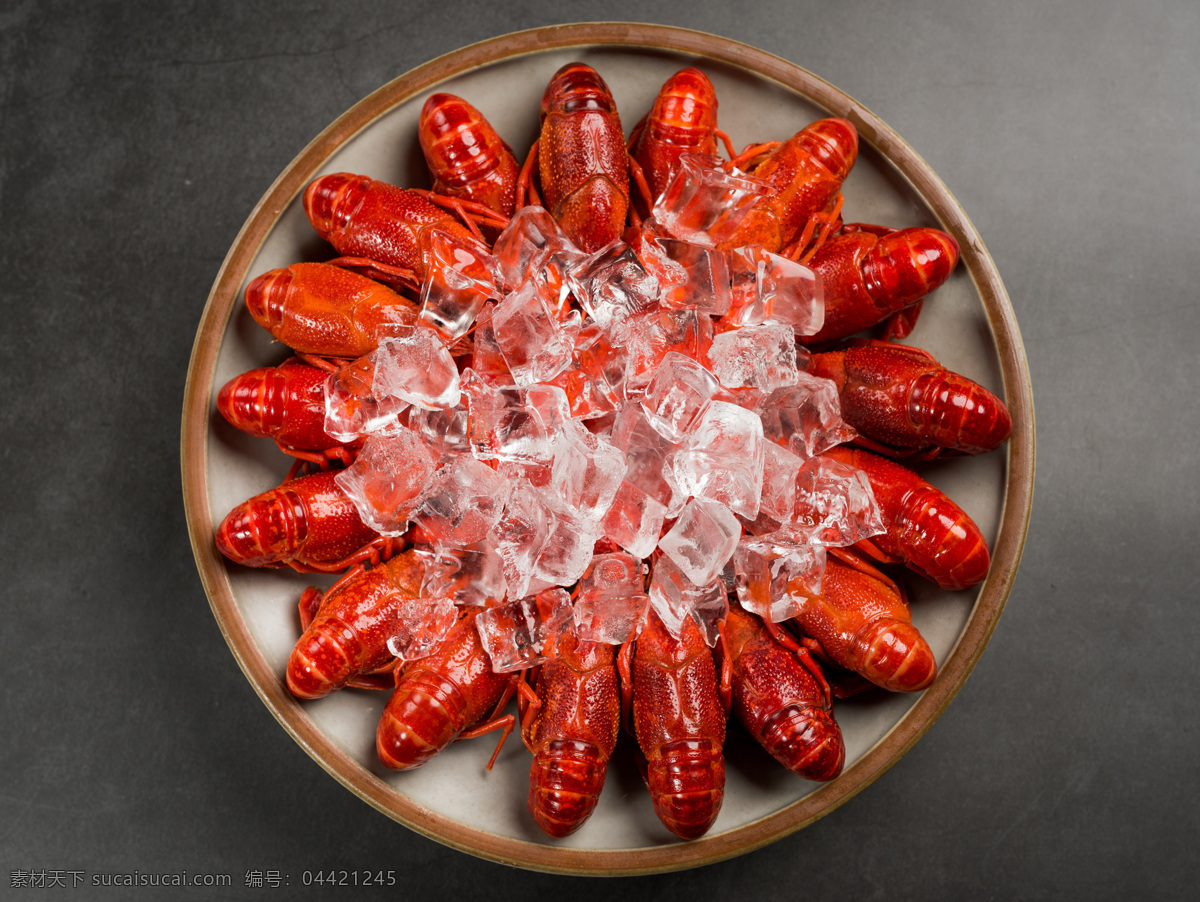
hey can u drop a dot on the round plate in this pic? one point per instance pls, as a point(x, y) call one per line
point(968, 324)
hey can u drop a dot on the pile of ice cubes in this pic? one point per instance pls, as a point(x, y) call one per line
point(630, 429)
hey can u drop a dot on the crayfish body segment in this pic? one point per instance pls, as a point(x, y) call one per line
point(583, 166)
point(805, 175)
point(869, 278)
point(321, 309)
point(308, 520)
point(682, 120)
point(465, 155)
point(366, 218)
point(861, 621)
point(925, 529)
point(285, 403)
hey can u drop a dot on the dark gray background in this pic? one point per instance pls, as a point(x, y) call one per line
point(134, 141)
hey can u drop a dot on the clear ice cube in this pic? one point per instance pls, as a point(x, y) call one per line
point(351, 409)
point(612, 603)
point(530, 338)
point(689, 275)
point(421, 624)
point(462, 503)
point(634, 520)
point(524, 632)
point(703, 203)
point(587, 470)
point(766, 571)
point(723, 459)
point(677, 395)
point(805, 418)
point(834, 504)
point(416, 367)
point(612, 285)
point(758, 356)
point(702, 540)
point(459, 280)
point(387, 480)
point(768, 288)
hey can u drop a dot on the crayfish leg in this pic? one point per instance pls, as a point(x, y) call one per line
point(505, 723)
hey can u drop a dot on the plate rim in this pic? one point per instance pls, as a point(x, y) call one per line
point(982, 620)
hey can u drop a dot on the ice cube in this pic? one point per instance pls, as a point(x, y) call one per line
point(765, 571)
point(445, 431)
point(634, 520)
point(612, 285)
point(462, 503)
point(759, 356)
point(523, 633)
point(387, 480)
point(459, 280)
point(709, 609)
point(421, 624)
point(520, 534)
point(648, 455)
point(469, 576)
point(677, 395)
point(675, 598)
point(768, 288)
point(650, 336)
point(587, 470)
point(703, 203)
point(530, 338)
point(533, 246)
point(487, 362)
point(416, 367)
point(689, 275)
point(570, 540)
point(723, 459)
point(805, 418)
point(834, 504)
point(780, 468)
point(612, 602)
point(351, 409)
point(502, 427)
point(702, 540)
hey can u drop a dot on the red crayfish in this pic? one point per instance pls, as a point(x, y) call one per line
point(466, 157)
point(672, 692)
point(571, 726)
point(443, 697)
point(583, 167)
point(679, 722)
point(308, 523)
point(782, 699)
point(905, 402)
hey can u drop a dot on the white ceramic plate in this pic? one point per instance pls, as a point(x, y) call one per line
point(968, 324)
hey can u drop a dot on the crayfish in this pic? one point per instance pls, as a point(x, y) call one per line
point(514, 388)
